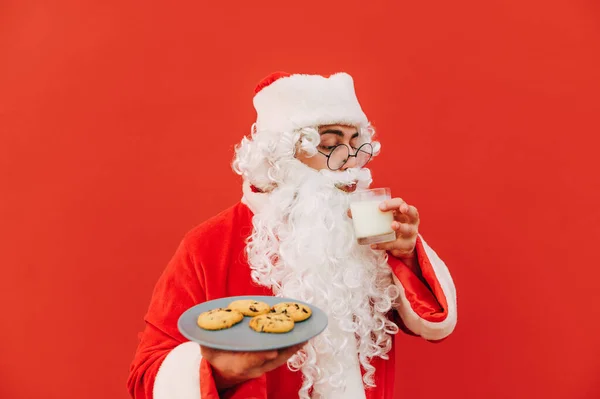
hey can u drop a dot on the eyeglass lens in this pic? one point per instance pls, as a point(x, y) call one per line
point(340, 155)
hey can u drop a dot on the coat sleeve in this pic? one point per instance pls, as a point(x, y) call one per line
point(427, 303)
point(166, 365)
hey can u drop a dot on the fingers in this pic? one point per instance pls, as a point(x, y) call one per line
point(394, 204)
point(406, 238)
point(406, 230)
point(404, 213)
point(394, 245)
point(285, 354)
point(413, 214)
point(282, 358)
point(209, 353)
point(243, 360)
point(398, 248)
point(230, 368)
point(257, 360)
point(257, 363)
point(269, 355)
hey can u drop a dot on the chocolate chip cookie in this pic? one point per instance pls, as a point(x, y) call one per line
point(272, 323)
point(297, 311)
point(249, 307)
point(219, 319)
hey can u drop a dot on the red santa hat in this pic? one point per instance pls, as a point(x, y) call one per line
point(285, 102)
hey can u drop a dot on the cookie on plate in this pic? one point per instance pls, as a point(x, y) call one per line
point(272, 323)
point(219, 319)
point(249, 307)
point(297, 311)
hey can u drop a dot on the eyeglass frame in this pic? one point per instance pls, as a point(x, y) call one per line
point(328, 156)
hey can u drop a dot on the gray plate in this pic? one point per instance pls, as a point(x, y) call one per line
point(241, 338)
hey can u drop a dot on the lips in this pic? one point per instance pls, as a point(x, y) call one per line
point(349, 188)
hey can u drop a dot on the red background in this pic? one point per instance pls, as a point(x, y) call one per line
point(118, 123)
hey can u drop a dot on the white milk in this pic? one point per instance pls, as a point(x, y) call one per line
point(369, 220)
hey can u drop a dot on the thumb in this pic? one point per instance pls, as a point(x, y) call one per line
point(256, 362)
point(266, 356)
point(270, 355)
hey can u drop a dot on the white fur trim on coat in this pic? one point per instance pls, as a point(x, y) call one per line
point(424, 328)
point(179, 374)
point(300, 101)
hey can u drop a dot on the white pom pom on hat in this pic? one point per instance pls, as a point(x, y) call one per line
point(286, 102)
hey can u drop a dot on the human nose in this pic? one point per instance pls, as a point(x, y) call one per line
point(350, 163)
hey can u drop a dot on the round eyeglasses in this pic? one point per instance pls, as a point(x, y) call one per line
point(340, 154)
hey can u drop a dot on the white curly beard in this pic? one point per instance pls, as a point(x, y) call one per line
point(303, 246)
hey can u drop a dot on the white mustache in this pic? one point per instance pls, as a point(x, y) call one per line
point(348, 176)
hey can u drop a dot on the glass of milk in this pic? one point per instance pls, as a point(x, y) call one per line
point(371, 225)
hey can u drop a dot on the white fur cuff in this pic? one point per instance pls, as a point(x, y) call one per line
point(424, 328)
point(179, 374)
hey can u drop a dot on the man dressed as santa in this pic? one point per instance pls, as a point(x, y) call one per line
point(291, 235)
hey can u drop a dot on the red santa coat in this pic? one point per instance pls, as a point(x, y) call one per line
point(210, 263)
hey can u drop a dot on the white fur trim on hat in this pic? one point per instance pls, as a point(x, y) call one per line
point(298, 101)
